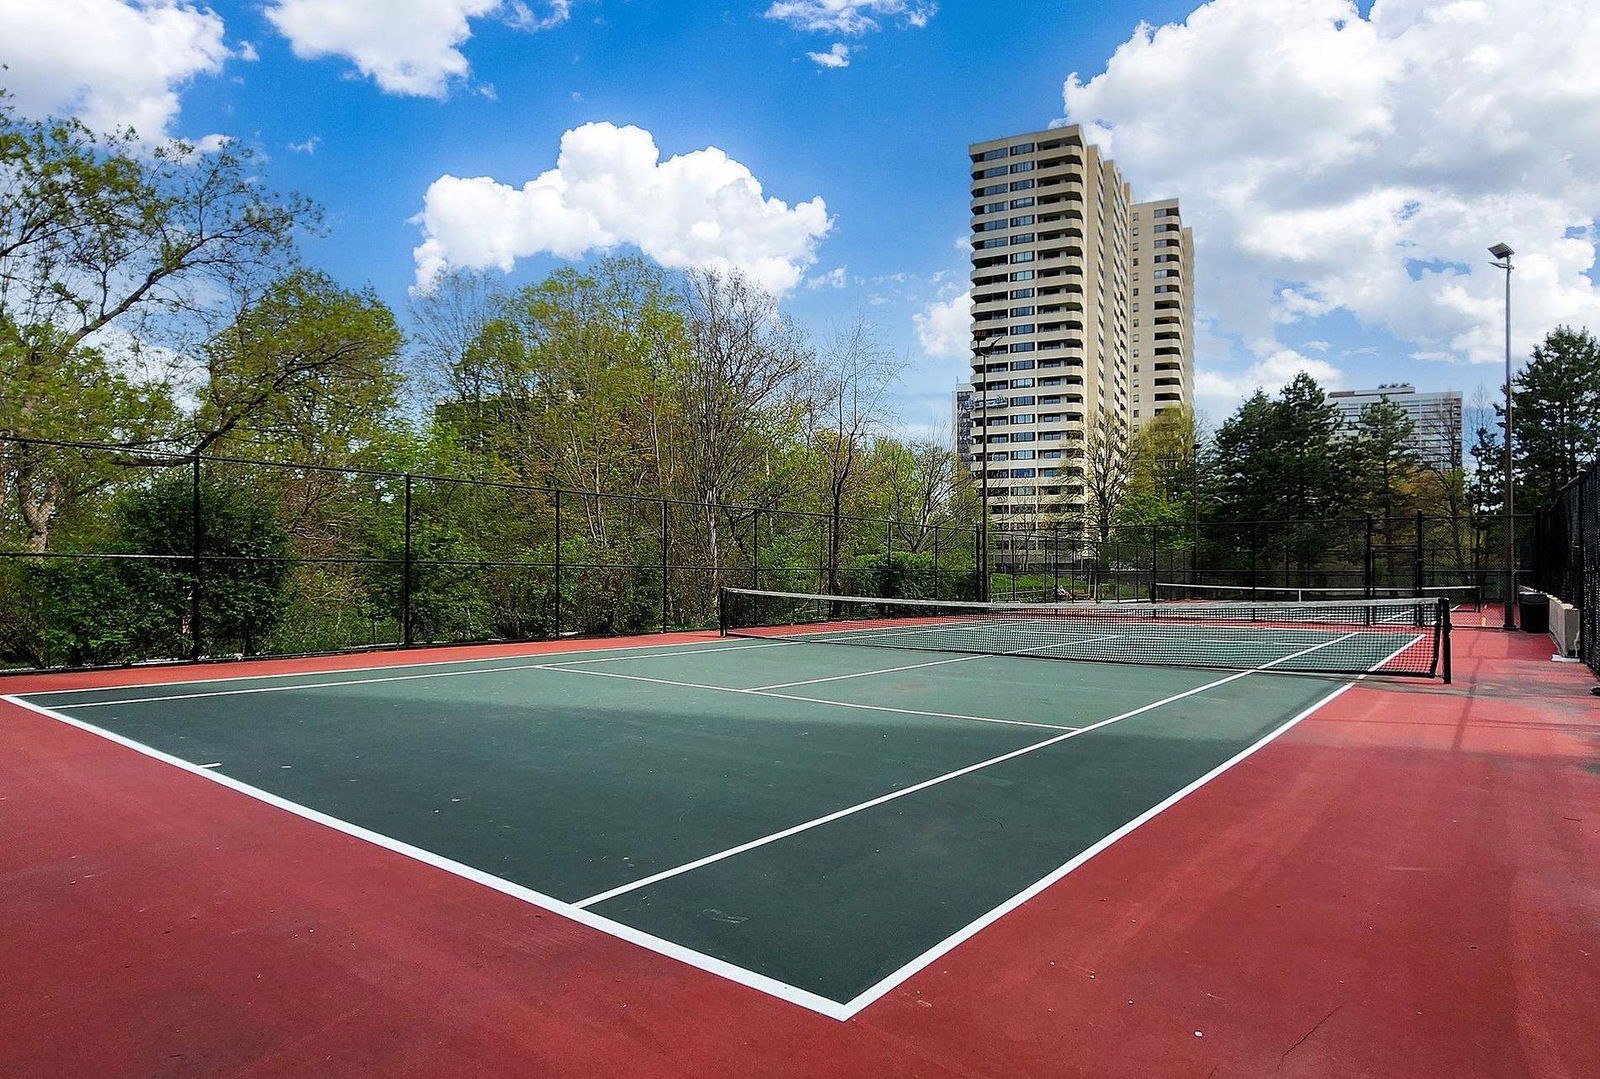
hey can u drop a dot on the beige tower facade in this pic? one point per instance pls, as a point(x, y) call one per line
point(1082, 316)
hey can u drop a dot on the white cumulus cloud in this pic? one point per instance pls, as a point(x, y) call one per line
point(849, 16)
point(944, 327)
point(1271, 373)
point(1331, 162)
point(413, 51)
point(110, 63)
point(838, 56)
point(610, 188)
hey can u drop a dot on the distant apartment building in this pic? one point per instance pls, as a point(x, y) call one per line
point(1436, 418)
point(961, 422)
point(1082, 313)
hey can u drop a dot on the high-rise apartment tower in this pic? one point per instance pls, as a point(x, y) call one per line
point(1082, 317)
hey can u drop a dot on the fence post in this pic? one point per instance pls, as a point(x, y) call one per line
point(981, 549)
point(406, 620)
point(1155, 557)
point(1367, 563)
point(1055, 562)
point(888, 556)
point(755, 548)
point(196, 538)
point(558, 565)
point(935, 561)
point(1418, 577)
point(666, 566)
point(1252, 561)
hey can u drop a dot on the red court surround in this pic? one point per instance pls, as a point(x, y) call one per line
point(1406, 885)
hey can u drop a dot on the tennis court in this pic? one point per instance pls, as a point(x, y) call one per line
point(811, 818)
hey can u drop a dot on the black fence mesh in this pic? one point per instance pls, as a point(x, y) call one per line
point(1569, 557)
point(115, 554)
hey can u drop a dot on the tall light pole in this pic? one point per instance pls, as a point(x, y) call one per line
point(980, 400)
point(1502, 255)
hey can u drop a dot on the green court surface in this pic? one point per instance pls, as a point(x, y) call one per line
point(816, 820)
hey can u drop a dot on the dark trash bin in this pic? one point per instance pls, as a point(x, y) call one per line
point(1533, 611)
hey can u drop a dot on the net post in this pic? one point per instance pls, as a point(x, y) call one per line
point(1443, 638)
point(722, 612)
point(196, 538)
point(935, 561)
point(407, 623)
point(1155, 557)
point(755, 548)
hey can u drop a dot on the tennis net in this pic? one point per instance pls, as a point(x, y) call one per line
point(1460, 596)
point(1401, 636)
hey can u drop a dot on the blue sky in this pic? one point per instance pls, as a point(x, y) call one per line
point(1343, 166)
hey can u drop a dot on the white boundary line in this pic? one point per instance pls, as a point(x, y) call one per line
point(930, 663)
point(971, 929)
point(711, 964)
point(385, 666)
point(739, 975)
point(552, 667)
point(762, 841)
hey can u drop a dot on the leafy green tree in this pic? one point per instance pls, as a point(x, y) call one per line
point(111, 254)
point(104, 611)
point(306, 372)
point(1165, 472)
point(1557, 418)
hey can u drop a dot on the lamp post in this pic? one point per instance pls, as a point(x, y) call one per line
point(980, 400)
point(1502, 254)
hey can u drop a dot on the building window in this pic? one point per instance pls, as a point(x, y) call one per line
point(1021, 256)
point(1022, 148)
point(1021, 294)
point(1022, 166)
point(1022, 455)
point(1022, 328)
point(1021, 185)
point(1024, 219)
point(1026, 200)
point(1022, 436)
point(1022, 346)
point(1022, 238)
point(1022, 275)
point(1024, 473)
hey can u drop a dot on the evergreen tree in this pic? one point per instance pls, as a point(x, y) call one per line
point(1386, 457)
point(1557, 417)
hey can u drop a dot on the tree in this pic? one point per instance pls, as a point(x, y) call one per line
point(737, 391)
point(1108, 464)
point(1556, 398)
point(1387, 463)
point(852, 382)
point(112, 255)
point(307, 372)
point(1164, 467)
point(1486, 483)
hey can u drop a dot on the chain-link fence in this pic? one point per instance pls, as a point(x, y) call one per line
point(1461, 557)
point(116, 554)
point(1569, 544)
